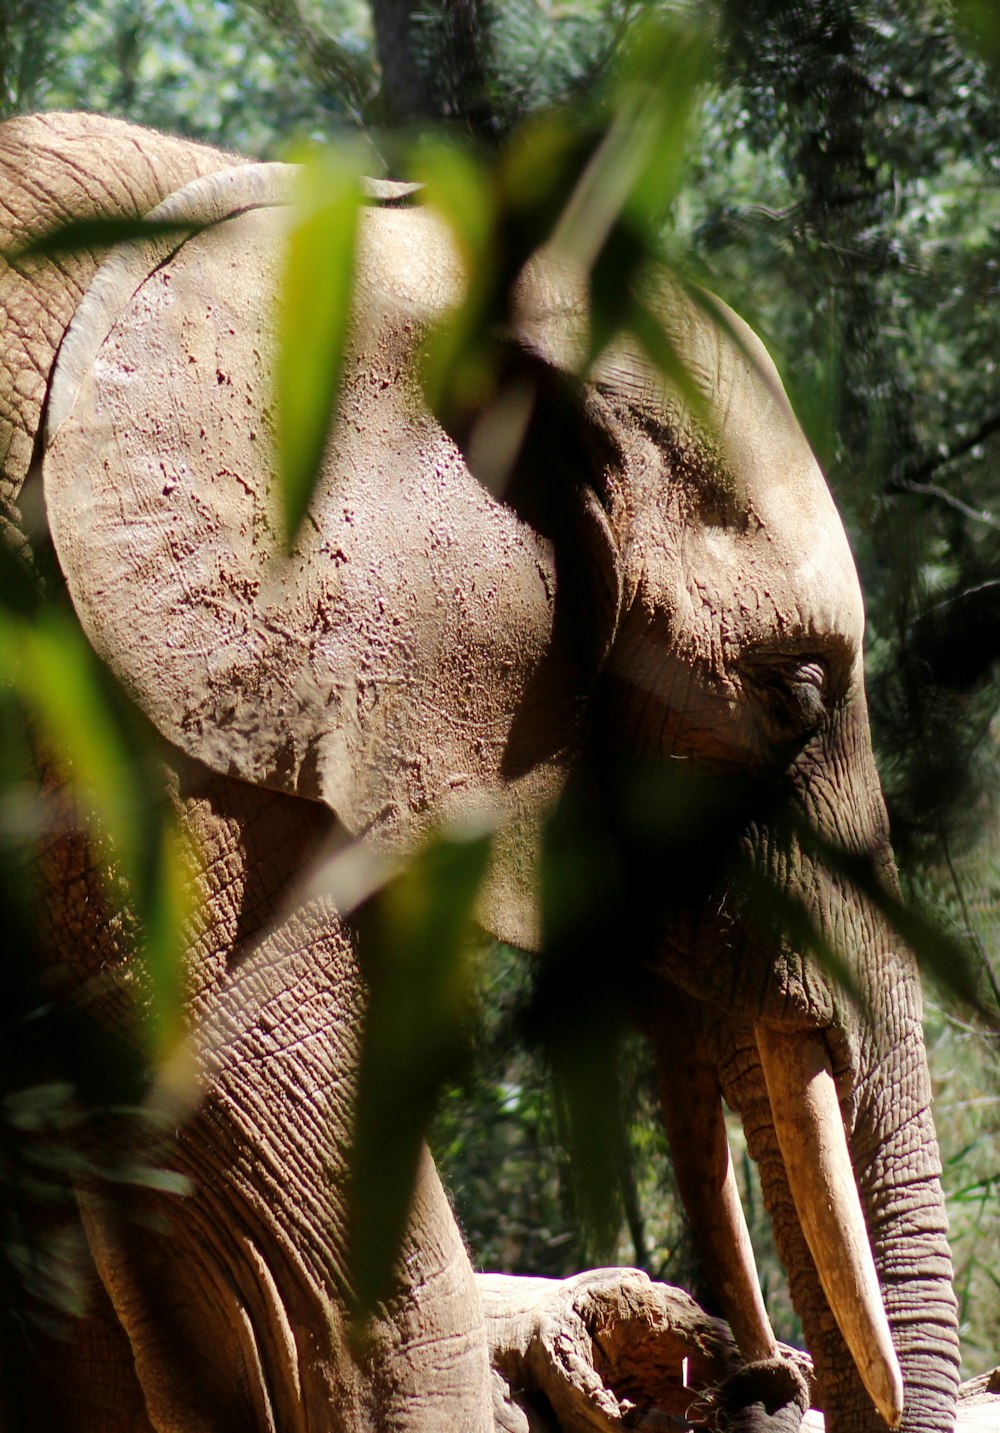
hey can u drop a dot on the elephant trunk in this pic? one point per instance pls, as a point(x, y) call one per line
point(903, 1213)
point(849, 1162)
point(895, 1154)
point(868, 1349)
point(835, 1096)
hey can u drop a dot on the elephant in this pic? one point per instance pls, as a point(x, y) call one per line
point(658, 578)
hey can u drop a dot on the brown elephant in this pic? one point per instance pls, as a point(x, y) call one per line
point(649, 583)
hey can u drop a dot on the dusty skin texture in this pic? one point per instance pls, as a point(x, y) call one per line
point(81, 167)
point(383, 669)
point(643, 585)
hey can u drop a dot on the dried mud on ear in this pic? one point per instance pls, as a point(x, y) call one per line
point(404, 666)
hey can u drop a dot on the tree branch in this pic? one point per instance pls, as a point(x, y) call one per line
point(609, 1350)
point(922, 469)
point(913, 478)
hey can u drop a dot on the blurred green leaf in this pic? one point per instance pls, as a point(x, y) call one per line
point(41, 1107)
point(979, 21)
point(313, 320)
point(77, 235)
point(948, 960)
point(148, 1176)
point(168, 908)
point(776, 907)
point(460, 358)
point(604, 226)
point(586, 1061)
point(415, 950)
point(460, 187)
point(539, 167)
point(102, 748)
point(55, 671)
point(636, 171)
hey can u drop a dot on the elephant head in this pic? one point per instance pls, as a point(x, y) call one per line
point(654, 581)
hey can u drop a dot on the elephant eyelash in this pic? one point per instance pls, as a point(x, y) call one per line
point(796, 689)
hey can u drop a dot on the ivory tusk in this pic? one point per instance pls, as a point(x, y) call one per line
point(813, 1146)
point(692, 1113)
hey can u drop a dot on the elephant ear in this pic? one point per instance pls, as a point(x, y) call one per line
point(406, 663)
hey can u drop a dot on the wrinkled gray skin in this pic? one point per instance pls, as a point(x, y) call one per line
point(416, 655)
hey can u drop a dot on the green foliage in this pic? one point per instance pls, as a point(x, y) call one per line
point(29, 35)
point(502, 1143)
point(219, 70)
point(415, 935)
point(967, 1078)
point(314, 307)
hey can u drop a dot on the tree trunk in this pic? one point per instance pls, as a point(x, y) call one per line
point(433, 57)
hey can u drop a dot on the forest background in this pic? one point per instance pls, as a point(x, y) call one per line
point(842, 191)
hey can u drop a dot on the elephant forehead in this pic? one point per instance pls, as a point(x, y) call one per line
point(725, 520)
point(790, 513)
point(779, 569)
point(384, 666)
point(728, 522)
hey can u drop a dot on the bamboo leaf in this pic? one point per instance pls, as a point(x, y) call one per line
point(636, 171)
point(313, 321)
point(459, 361)
point(90, 731)
point(414, 942)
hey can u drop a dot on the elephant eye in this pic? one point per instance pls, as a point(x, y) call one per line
point(793, 689)
point(804, 692)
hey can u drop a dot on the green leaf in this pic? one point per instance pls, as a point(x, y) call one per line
point(313, 321)
point(540, 165)
point(90, 731)
point(780, 908)
point(459, 364)
point(948, 960)
point(168, 908)
point(414, 945)
point(636, 171)
point(667, 62)
point(460, 188)
point(979, 21)
point(75, 235)
point(56, 673)
point(586, 1060)
point(579, 1008)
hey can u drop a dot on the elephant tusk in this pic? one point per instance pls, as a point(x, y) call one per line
point(813, 1144)
point(696, 1128)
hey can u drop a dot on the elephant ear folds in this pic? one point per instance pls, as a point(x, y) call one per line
point(408, 661)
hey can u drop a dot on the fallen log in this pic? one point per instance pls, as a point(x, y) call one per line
point(611, 1350)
